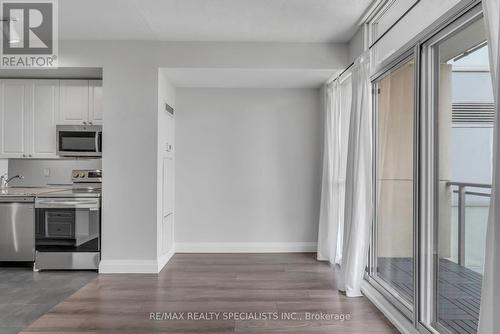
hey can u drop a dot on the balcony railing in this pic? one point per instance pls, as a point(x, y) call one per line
point(461, 188)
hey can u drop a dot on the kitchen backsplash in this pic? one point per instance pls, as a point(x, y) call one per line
point(41, 172)
point(4, 166)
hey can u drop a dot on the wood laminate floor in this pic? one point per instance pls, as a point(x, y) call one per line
point(248, 286)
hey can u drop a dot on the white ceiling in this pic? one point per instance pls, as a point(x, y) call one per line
point(308, 21)
point(246, 78)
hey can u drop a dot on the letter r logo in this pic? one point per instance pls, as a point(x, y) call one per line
point(30, 29)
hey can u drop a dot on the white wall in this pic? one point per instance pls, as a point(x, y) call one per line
point(130, 137)
point(248, 169)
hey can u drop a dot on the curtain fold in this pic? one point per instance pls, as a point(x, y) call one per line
point(489, 317)
point(358, 193)
point(339, 189)
point(337, 111)
point(328, 223)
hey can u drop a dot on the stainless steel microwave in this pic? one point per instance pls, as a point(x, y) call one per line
point(79, 140)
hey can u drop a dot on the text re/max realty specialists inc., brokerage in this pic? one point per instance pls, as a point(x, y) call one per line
point(262, 316)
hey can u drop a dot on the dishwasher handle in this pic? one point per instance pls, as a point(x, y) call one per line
point(16, 199)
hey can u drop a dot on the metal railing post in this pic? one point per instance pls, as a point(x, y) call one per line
point(461, 225)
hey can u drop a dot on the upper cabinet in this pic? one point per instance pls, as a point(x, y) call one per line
point(15, 100)
point(80, 102)
point(44, 118)
point(95, 101)
point(74, 102)
point(31, 109)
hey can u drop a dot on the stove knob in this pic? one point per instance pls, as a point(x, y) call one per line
point(75, 175)
point(82, 174)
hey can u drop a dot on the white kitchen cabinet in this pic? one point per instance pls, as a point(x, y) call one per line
point(31, 109)
point(80, 102)
point(15, 102)
point(74, 102)
point(42, 131)
point(95, 101)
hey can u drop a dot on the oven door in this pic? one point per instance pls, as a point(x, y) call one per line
point(79, 140)
point(67, 225)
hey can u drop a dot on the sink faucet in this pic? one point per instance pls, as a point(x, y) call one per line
point(4, 180)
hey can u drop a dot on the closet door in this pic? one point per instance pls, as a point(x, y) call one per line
point(168, 204)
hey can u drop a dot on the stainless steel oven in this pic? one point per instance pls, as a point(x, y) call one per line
point(69, 227)
point(79, 140)
point(68, 224)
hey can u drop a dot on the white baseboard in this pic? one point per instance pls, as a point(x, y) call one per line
point(128, 267)
point(245, 247)
point(154, 267)
point(163, 260)
point(135, 266)
point(391, 313)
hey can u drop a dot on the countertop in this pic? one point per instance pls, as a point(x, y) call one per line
point(29, 191)
point(77, 193)
point(49, 191)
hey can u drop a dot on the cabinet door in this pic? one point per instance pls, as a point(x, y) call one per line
point(44, 118)
point(14, 110)
point(74, 102)
point(95, 102)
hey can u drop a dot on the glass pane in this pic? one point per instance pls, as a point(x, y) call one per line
point(465, 119)
point(394, 176)
point(77, 141)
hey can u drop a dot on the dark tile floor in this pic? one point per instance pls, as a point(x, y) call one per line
point(26, 295)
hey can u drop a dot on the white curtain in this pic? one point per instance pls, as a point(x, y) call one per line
point(489, 317)
point(338, 106)
point(358, 194)
point(345, 116)
point(328, 223)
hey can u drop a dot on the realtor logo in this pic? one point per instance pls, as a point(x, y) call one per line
point(29, 36)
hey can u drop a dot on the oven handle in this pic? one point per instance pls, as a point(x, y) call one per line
point(91, 204)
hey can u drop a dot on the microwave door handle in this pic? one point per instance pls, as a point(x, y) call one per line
point(97, 141)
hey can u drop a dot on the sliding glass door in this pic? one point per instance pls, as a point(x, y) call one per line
point(461, 112)
point(393, 259)
point(433, 114)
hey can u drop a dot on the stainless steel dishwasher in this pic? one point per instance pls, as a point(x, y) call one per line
point(17, 228)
